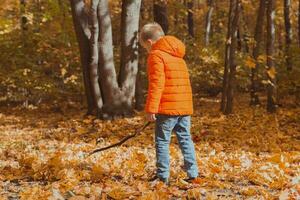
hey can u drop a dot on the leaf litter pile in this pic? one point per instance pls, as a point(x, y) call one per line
point(249, 155)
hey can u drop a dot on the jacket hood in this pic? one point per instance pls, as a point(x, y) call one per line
point(171, 45)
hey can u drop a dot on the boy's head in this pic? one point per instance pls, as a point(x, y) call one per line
point(149, 34)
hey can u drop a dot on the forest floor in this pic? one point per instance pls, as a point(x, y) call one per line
point(247, 155)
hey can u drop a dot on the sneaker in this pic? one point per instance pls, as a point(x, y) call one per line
point(193, 180)
point(159, 179)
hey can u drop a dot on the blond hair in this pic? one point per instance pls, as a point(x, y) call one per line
point(151, 31)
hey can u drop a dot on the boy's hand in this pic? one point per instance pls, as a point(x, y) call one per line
point(150, 117)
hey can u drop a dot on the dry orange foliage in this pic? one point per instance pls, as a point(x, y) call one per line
point(251, 154)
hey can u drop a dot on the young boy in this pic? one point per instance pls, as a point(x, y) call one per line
point(169, 100)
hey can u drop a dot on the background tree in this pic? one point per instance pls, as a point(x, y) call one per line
point(230, 60)
point(299, 22)
point(110, 97)
point(160, 14)
point(258, 36)
point(271, 73)
point(210, 4)
point(190, 18)
point(82, 32)
point(140, 86)
point(288, 33)
point(24, 19)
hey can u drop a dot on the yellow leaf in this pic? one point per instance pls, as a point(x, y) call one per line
point(98, 171)
point(63, 72)
point(119, 193)
point(88, 120)
point(81, 130)
point(249, 191)
point(77, 198)
point(261, 58)
point(194, 193)
point(250, 62)
point(271, 72)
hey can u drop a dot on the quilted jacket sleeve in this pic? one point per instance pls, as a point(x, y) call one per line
point(156, 77)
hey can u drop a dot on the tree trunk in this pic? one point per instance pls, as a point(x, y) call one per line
point(232, 60)
point(288, 33)
point(94, 70)
point(210, 4)
point(118, 101)
point(280, 41)
point(37, 15)
point(139, 86)
point(190, 18)
point(160, 14)
point(299, 23)
point(245, 32)
point(83, 34)
point(24, 20)
point(129, 54)
point(239, 39)
point(108, 79)
point(254, 99)
point(105, 95)
point(63, 11)
point(226, 60)
point(271, 73)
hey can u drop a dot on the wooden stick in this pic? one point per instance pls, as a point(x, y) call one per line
point(121, 141)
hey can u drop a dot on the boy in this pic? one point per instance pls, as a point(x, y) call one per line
point(169, 100)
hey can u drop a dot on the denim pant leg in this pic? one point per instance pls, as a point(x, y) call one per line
point(163, 130)
point(186, 144)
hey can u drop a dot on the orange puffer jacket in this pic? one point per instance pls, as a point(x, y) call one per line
point(169, 90)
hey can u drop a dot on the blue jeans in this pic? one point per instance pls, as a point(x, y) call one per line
point(164, 126)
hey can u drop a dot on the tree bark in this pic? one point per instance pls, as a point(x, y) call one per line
point(63, 11)
point(94, 60)
point(288, 33)
point(80, 22)
point(226, 60)
point(94, 33)
point(129, 53)
point(254, 99)
point(271, 73)
point(244, 31)
point(37, 15)
point(210, 4)
point(118, 100)
point(232, 60)
point(190, 18)
point(160, 14)
point(139, 86)
point(108, 78)
point(299, 23)
point(24, 20)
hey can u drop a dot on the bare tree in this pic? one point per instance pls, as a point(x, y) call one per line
point(227, 54)
point(129, 52)
point(160, 14)
point(299, 23)
point(229, 85)
point(110, 96)
point(254, 99)
point(288, 33)
point(94, 58)
point(243, 33)
point(208, 20)
point(271, 73)
point(80, 21)
point(190, 17)
point(139, 86)
point(24, 20)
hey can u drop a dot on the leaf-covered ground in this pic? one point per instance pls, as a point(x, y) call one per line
point(248, 155)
